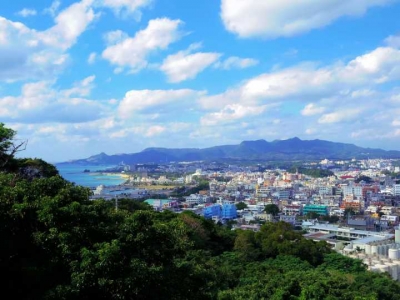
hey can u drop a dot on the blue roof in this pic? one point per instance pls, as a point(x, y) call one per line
point(163, 201)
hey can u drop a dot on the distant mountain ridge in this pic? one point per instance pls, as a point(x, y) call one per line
point(290, 149)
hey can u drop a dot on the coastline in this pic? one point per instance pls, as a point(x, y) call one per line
point(124, 176)
point(99, 175)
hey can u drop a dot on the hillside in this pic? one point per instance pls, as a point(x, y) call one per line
point(291, 149)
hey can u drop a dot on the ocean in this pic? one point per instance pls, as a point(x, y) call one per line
point(76, 174)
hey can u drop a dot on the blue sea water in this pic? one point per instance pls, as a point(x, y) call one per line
point(76, 174)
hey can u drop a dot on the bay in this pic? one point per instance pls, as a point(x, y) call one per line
point(92, 179)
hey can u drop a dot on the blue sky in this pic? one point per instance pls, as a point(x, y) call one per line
point(82, 77)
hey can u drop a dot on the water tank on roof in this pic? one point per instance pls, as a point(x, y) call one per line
point(394, 271)
point(382, 268)
point(394, 254)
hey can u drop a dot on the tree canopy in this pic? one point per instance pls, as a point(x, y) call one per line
point(271, 209)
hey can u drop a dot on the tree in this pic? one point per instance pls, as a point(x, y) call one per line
point(271, 209)
point(364, 178)
point(312, 215)
point(8, 147)
point(349, 211)
point(241, 206)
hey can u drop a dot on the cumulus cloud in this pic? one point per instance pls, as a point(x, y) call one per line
point(308, 81)
point(271, 19)
point(312, 109)
point(70, 24)
point(184, 65)
point(92, 58)
point(26, 12)
point(26, 53)
point(393, 41)
point(235, 62)
point(340, 116)
point(40, 102)
point(231, 113)
point(125, 8)
point(155, 130)
point(53, 9)
point(132, 52)
point(140, 100)
point(81, 88)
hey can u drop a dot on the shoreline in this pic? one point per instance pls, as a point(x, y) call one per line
point(122, 175)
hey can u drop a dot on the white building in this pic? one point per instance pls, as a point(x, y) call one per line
point(396, 189)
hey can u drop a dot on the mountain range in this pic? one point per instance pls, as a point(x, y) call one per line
point(259, 150)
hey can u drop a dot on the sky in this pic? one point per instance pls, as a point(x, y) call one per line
point(117, 76)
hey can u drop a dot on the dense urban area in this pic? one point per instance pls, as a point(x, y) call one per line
point(353, 205)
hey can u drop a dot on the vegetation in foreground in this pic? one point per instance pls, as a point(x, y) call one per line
point(57, 244)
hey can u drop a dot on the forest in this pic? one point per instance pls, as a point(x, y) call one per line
point(58, 244)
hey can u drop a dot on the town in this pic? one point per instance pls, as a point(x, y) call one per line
point(354, 205)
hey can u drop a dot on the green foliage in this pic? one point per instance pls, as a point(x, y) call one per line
point(316, 173)
point(271, 209)
point(241, 206)
point(312, 215)
point(335, 261)
point(6, 144)
point(330, 219)
point(364, 178)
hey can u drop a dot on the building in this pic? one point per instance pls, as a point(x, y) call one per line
point(160, 204)
point(325, 190)
point(288, 219)
point(396, 189)
point(212, 211)
point(228, 211)
point(292, 210)
point(318, 209)
point(352, 204)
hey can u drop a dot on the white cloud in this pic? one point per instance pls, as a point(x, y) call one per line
point(396, 122)
point(70, 24)
point(140, 100)
point(235, 62)
point(183, 65)
point(115, 37)
point(393, 41)
point(92, 58)
point(27, 53)
point(155, 130)
point(308, 81)
point(231, 113)
point(82, 88)
point(39, 102)
point(271, 19)
point(26, 12)
point(132, 52)
point(52, 10)
point(310, 131)
point(311, 109)
point(340, 116)
point(125, 8)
